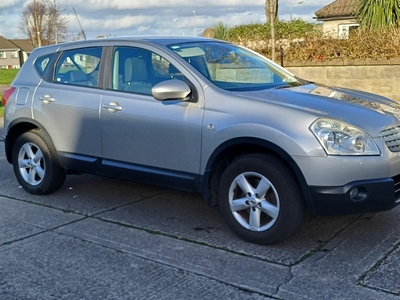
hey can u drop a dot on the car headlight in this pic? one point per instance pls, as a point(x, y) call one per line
point(340, 138)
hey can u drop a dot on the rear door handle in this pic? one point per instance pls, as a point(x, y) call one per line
point(47, 98)
point(113, 107)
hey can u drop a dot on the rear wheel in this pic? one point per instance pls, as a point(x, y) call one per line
point(35, 164)
point(260, 199)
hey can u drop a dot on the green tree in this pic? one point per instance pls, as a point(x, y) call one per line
point(376, 14)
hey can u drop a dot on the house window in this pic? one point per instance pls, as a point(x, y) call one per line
point(3, 54)
point(345, 30)
point(14, 54)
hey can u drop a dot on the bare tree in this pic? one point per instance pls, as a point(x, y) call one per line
point(43, 22)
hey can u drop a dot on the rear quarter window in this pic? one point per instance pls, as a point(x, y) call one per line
point(42, 64)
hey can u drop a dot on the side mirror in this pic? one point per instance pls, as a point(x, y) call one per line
point(172, 89)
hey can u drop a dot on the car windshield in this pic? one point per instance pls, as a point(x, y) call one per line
point(233, 67)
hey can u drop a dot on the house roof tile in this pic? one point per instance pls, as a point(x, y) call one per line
point(6, 44)
point(338, 8)
point(24, 44)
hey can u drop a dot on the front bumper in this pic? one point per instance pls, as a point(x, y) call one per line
point(357, 197)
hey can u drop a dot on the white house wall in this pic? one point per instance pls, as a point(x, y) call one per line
point(331, 28)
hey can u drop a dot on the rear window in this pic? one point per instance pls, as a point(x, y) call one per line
point(79, 67)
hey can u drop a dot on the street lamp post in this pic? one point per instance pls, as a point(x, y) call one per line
point(195, 29)
point(291, 8)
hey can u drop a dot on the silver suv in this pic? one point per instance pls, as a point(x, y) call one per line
point(205, 116)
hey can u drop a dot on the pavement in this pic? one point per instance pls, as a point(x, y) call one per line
point(100, 238)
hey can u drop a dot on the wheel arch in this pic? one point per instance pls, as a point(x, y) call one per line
point(233, 148)
point(15, 130)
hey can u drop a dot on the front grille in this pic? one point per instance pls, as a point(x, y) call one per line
point(391, 137)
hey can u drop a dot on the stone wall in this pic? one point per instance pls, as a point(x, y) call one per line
point(376, 76)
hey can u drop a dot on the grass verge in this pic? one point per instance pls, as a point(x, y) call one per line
point(1, 106)
point(7, 75)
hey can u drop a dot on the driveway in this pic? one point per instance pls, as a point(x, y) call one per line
point(99, 238)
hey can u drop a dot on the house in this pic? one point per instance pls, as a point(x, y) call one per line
point(13, 53)
point(338, 18)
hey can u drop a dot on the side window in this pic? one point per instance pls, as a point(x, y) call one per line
point(161, 66)
point(79, 67)
point(42, 64)
point(164, 70)
point(138, 70)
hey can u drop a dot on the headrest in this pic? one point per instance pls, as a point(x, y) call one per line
point(135, 69)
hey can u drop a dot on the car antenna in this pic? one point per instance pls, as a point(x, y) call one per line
point(83, 33)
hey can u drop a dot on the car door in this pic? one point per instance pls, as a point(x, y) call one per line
point(67, 106)
point(154, 140)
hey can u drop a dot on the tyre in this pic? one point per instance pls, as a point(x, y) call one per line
point(260, 199)
point(35, 163)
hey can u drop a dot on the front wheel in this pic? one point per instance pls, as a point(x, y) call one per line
point(260, 199)
point(35, 164)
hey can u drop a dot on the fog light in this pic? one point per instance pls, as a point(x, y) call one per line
point(358, 193)
point(353, 193)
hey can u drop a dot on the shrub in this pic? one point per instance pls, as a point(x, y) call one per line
point(262, 31)
point(302, 41)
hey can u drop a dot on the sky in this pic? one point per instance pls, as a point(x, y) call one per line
point(156, 17)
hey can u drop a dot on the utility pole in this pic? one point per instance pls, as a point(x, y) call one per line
point(83, 33)
point(291, 8)
point(194, 19)
point(272, 24)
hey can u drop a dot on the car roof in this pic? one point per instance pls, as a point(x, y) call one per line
point(163, 40)
point(160, 40)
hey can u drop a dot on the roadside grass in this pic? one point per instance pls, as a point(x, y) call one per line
point(7, 75)
point(1, 106)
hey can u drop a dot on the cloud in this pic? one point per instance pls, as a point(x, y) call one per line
point(91, 5)
point(159, 17)
point(7, 3)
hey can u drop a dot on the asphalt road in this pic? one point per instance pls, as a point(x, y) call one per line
point(99, 238)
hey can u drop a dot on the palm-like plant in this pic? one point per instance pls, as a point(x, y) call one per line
point(222, 31)
point(376, 14)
